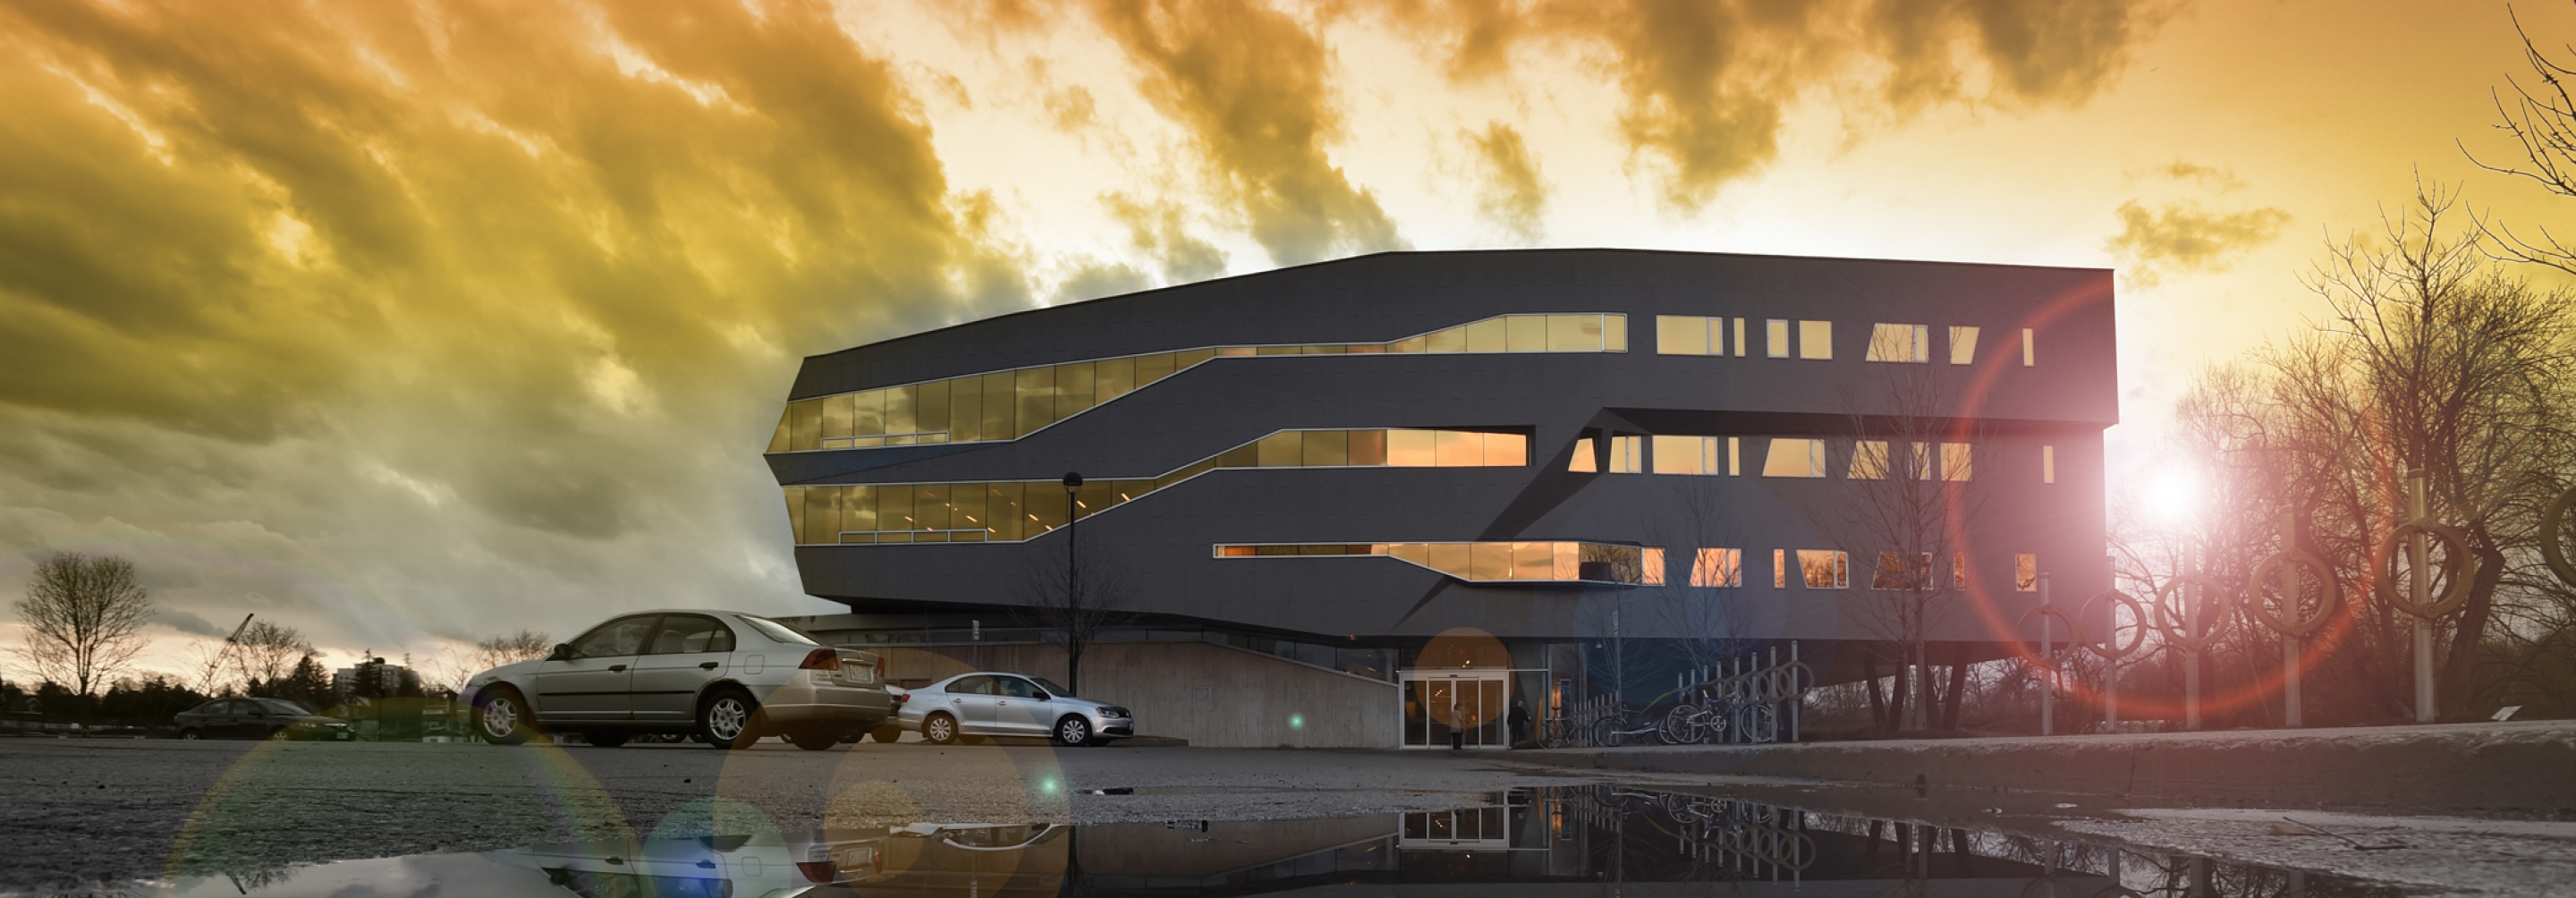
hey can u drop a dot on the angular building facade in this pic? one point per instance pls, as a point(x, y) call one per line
point(1466, 479)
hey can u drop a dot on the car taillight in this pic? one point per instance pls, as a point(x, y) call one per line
point(819, 872)
point(821, 659)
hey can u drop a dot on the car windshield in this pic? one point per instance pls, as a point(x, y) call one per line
point(1051, 687)
point(778, 632)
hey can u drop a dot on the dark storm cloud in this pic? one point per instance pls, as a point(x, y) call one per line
point(1513, 196)
point(1251, 86)
point(1159, 231)
point(445, 294)
point(2177, 237)
point(1707, 86)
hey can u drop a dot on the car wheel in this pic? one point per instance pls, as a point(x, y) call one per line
point(1072, 731)
point(887, 733)
point(605, 738)
point(729, 719)
point(501, 717)
point(814, 740)
point(191, 733)
point(939, 729)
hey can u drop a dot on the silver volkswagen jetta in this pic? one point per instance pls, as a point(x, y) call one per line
point(989, 703)
point(726, 677)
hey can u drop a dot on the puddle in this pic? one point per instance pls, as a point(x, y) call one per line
point(1550, 841)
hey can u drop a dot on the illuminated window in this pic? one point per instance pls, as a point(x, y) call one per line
point(1008, 405)
point(1869, 460)
point(1959, 570)
point(1963, 345)
point(2048, 464)
point(1691, 335)
point(1900, 343)
point(1718, 568)
point(1815, 339)
point(1325, 449)
point(1584, 461)
point(1825, 568)
point(2029, 349)
point(2025, 573)
point(1015, 510)
point(1794, 458)
point(1739, 338)
point(1778, 332)
point(1893, 573)
point(1779, 569)
point(1681, 335)
point(1488, 562)
point(1686, 455)
point(1956, 462)
point(1734, 456)
point(1625, 454)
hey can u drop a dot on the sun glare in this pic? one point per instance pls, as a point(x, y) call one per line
point(2176, 495)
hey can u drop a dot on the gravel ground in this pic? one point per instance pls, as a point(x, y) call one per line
point(100, 811)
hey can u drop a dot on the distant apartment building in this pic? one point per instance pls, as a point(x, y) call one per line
point(374, 678)
point(1378, 500)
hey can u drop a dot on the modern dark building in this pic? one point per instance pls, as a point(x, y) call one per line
point(1331, 497)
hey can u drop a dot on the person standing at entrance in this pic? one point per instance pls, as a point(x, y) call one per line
point(1519, 722)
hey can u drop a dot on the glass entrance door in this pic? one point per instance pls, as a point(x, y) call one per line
point(1468, 705)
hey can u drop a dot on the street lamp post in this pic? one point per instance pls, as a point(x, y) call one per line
point(1072, 567)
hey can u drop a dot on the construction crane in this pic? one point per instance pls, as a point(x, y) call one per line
point(217, 662)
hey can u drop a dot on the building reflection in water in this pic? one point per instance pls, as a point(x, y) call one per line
point(1595, 840)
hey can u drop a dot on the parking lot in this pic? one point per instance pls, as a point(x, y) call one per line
point(111, 811)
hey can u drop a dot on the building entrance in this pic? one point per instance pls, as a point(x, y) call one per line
point(1470, 707)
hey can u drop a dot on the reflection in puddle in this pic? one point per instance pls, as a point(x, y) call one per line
point(1579, 839)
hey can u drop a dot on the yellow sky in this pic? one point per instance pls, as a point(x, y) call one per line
point(411, 323)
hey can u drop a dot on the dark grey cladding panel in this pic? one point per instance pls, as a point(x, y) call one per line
point(1229, 401)
point(1164, 544)
point(1392, 295)
point(1164, 540)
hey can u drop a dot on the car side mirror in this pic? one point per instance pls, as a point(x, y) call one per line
point(1040, 697)
point(562, 652)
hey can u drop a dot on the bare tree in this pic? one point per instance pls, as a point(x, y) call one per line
point(1074, 593)
point(2434, 361)
point(1705, 570)
point(518, 645)
point(265, 651)
point(1907, 505)
point(2541, 117)
point(85, 616)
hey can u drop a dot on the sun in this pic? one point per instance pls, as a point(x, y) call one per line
point(2176, 494)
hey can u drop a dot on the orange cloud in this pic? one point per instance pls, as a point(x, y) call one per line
point(1250, 85)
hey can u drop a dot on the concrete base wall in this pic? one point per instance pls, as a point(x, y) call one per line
point(1208, 694)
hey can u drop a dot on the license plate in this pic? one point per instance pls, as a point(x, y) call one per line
point(858, 673)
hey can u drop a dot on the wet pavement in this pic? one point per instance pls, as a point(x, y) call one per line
point(681, 820)
point(1582, 840)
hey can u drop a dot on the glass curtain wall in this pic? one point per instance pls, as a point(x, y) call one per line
point(1012, 510)
point(1486, 562)
point(1008, 405)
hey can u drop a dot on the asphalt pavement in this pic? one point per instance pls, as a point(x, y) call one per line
point(90, 812)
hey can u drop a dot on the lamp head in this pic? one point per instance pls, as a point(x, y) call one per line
point(1072, 480)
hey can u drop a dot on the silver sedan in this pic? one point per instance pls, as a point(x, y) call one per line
point(726, 677)
point(990, 703)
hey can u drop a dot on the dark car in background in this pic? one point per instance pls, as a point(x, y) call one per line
point(259, 718)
